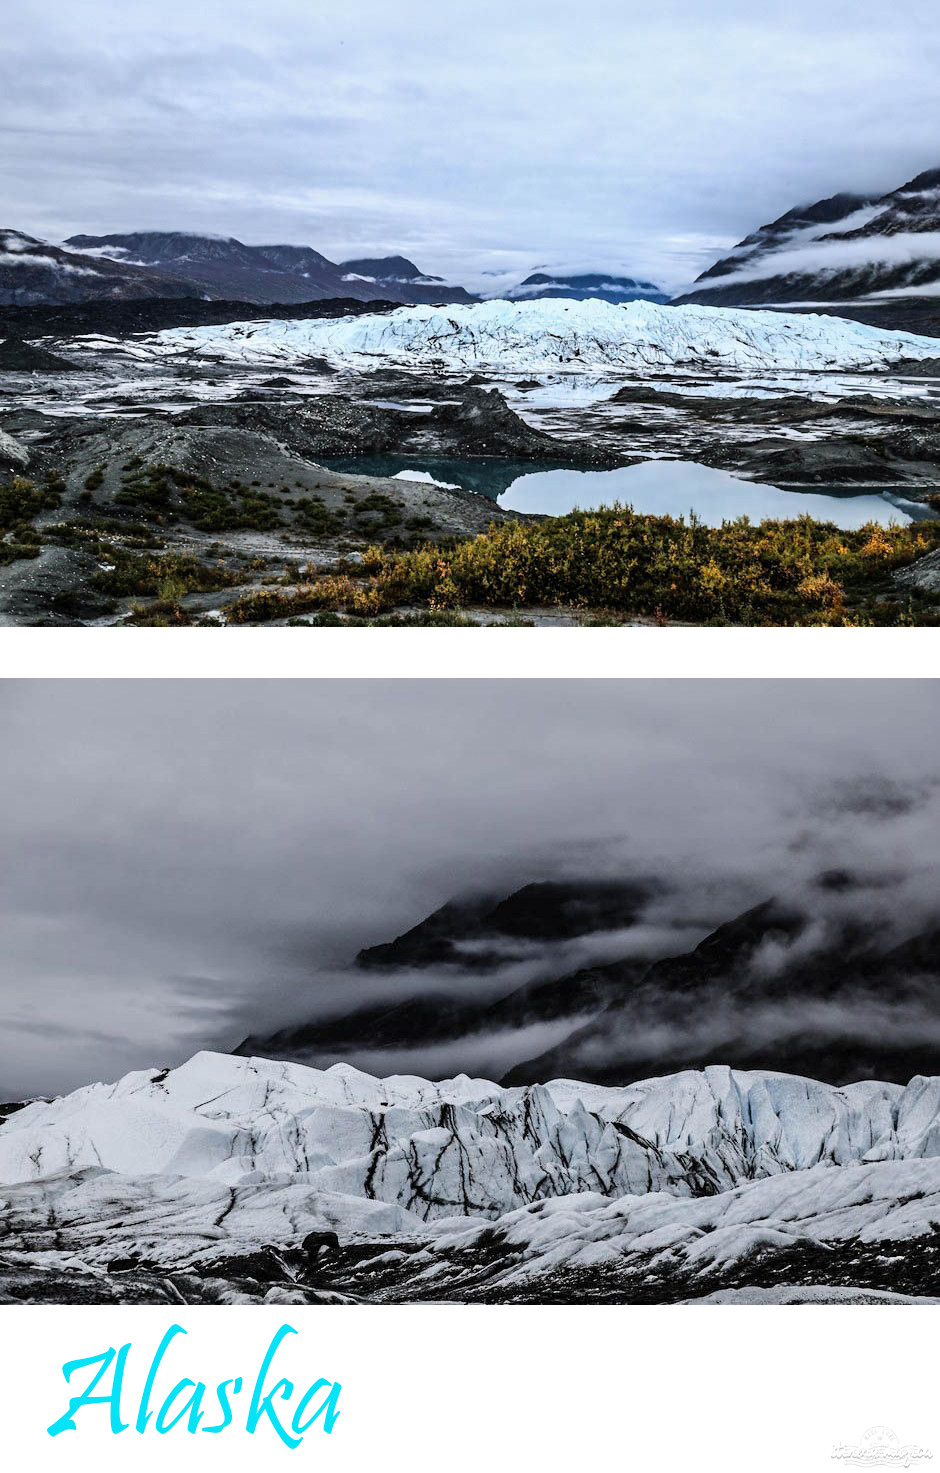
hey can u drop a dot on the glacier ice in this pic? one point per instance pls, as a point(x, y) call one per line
point(560, 336)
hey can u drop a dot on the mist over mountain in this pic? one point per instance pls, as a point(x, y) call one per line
point(399, 279)
point(136, 265)
point(812, 983)
point(168, 263)
point(584, 286)
point(225, 267)
point(35, 273)
point(508, 860)
point(846, 250)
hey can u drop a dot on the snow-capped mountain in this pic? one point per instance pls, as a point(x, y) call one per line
point(399, 279)
point(849, 248)
point(188, 1168)
point(552, 336)
point(585, 286)
point(33, 272)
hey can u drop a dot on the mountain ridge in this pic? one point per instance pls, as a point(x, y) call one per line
point(844, 251)
point(780, 985)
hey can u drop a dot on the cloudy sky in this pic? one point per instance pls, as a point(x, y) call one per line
point(187, 862)
point(478, 138)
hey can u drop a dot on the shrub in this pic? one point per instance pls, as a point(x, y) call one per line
point(20, 501)
point(777, 572)
point(171, 576)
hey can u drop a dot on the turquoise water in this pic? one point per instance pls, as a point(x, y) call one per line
point(655, 487)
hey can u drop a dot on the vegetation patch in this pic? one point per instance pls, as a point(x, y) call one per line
point(169, 577)
point(777, 572)
point(212, 509)
point(21, 500)
point(621, 563)
point(313, 515)
point(377, 513)
point(170, 495)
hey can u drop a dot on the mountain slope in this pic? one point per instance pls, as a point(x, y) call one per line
point(32, 272)
point(766, 991)
point(401, 280)
point(468, 938)
point(848, 249)
point(814, 989)
point(225, 267)
point(543, 911)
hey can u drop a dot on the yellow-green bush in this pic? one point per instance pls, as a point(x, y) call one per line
point(774, 572)
point(777, 572)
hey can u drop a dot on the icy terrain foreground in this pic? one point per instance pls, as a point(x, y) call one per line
point(203, 1183)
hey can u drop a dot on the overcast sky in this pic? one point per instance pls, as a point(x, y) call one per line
point(475, 137)
point(187, 862)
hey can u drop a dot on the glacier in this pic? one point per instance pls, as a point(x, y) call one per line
point(461, 1186)
point(559, 335)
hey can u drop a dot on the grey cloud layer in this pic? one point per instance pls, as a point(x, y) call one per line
point(188, 862)
point(477, 137)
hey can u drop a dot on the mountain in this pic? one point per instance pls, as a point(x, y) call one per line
point(32, 272)
point(571, 337)
point(545, 911)
point(602, 286)
point(400, 279)
point(469, 937)
point(225, 267)
point(846, 252)
point(763, 992)
point(247, 1180)
point(810, 989)
point(221, 266)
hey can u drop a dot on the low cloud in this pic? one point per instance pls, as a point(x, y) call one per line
point(828, 258)
point(190, 862)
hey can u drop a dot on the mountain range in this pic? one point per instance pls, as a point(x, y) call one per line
point(138, 264)
point(814, 988)
point(850, 254)
point(875, 258)
point(161, 264)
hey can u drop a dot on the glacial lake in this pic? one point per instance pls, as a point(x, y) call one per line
point(655, 487)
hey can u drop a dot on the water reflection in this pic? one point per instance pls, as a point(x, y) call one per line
point(676, 488)
point(656, 487)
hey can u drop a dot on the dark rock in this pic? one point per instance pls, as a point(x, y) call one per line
point(922, 576)
point(314, 1244)
point(14, 457)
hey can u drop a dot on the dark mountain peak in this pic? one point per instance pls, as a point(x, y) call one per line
point(929, 179)
point(770, 920)
point(586, 280)
point(387, 268)
point(543, 911)
point(15, 239)
point(822, 212)
point(163, 247)
point(399, 277)
point(295, 257)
